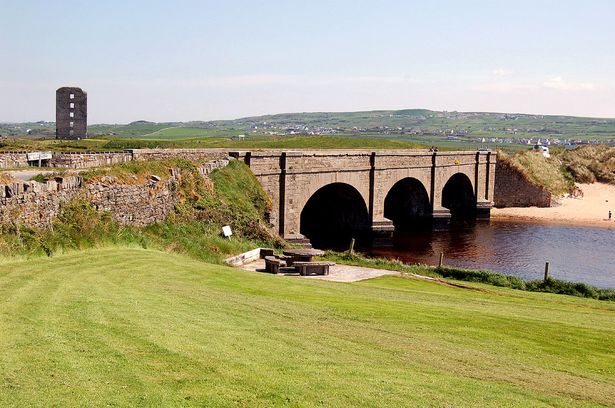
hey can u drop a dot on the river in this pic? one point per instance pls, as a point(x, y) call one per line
point(579, 254)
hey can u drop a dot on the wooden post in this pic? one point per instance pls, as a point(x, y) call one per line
point(441, 260)
point(351, 250)
point(546, 272)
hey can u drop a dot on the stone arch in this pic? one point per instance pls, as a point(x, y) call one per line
point(458, 197)
point(407, 204)
point(334, 215)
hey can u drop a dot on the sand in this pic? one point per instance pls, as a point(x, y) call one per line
point(591, 210)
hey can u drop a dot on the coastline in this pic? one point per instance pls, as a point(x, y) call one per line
point(590, 211)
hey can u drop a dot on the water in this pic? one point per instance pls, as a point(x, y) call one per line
point(578, 254)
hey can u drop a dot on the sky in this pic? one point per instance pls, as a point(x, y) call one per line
point(205, 60)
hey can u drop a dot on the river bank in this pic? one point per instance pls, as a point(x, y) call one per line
point(591, 210)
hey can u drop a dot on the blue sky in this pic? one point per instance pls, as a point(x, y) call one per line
point(201, 60)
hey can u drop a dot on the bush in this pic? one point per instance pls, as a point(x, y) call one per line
point(591, 163)
point(562, 287)
point(482, 276)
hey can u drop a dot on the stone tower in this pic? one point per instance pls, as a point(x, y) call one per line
point(71, 113)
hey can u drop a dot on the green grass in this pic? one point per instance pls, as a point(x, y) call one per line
point(134, 327)
point(265, 142)
point(252, 142)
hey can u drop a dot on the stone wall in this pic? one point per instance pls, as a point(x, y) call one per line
point(190, 154)
point(513, 189)
point(87, 160)
point(82, 160)
point(139, 205)
point(13, 159)
point(35, 204)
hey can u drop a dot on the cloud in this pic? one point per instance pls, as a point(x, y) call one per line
point(559, 84)
point(502, 72)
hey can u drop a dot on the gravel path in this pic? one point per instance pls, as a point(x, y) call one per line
point(337, 273)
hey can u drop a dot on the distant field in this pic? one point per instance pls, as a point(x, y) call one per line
point(417, 125)
point(128, 327)
point(253, 142)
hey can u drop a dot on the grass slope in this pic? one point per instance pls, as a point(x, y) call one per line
point(134, 327)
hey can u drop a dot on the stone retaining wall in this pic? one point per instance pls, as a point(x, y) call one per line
point(513, 189)
point(35, 204)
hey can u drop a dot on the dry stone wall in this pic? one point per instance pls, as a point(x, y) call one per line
point(88, 160)
point(513, 189)
point(138, 205)
point(13, 159)
point(82, 160)
point(36, 205)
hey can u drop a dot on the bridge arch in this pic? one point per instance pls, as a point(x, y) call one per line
point(458, 197)
point(407, 204)
point(333, 215)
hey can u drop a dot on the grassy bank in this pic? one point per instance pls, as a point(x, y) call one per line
point(585, 164)
point(134, 327)
point(547, 172)
point(555, 286)
point(232, 196)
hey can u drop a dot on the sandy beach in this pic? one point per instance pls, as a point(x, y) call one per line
point(591, 210)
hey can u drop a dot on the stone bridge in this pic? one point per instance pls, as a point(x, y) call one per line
point(328, 195)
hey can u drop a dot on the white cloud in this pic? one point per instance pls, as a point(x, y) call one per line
point(558, 83)
point(502, 72)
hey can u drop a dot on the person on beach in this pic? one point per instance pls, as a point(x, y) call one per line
point(610, 215)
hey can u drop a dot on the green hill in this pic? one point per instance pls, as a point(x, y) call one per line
point(417, 125)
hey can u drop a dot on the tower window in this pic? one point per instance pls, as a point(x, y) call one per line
point(72, 114)
point(71, 124)
point(72, 96)
point(72, 105)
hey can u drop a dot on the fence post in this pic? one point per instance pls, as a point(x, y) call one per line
point(351, 250)
point(441, 260)
point(546, 272)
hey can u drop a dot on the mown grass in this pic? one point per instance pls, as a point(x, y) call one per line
point(134, 327)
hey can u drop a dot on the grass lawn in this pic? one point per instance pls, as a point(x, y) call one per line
point(126, 327)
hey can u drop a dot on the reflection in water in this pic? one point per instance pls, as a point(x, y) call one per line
point(521, 249)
